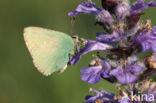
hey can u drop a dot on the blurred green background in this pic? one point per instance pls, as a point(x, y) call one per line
point(20, 82)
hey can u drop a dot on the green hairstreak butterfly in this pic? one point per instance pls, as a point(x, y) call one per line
point(49, 49)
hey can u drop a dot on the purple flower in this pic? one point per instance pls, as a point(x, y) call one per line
point(100, 97)
point(86, 7)
point(140, 5)
point(127, 100)
point(147, 40)
point(116, 36)
point(148, 87)
point(153, 31)
point(122, 11)
point(124, 100)
point(103, 96)
point(105, 16)
point(108, 38)
point(90, 46)
point(93, 74)
point(125, 72)
point(124, 36)
point(151, 95)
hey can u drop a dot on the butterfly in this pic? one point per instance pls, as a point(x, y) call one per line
point(50, 50)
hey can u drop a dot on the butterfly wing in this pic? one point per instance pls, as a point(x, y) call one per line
point(49, 49)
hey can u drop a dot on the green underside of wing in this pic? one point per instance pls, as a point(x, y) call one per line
point(50, 50)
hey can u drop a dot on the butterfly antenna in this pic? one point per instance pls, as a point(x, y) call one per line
point(72, 20)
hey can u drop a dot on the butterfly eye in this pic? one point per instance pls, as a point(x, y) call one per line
point(75, 37)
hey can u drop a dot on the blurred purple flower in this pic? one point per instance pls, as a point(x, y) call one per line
point(125, 73)
point(127, 100)
point(90, 46)
point(100, 97)
point(108, 38)
point(86, 7)
point(153, 31)
point(105, 16)
point(93, 74)
point(122, 11)
point(116, 36)
point(147, 40)
point(140, 5)
point(117, 18)
point(151, 92)
point(124, 100)
point(103, 96)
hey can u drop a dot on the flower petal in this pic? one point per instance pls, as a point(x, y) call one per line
point(102, 95)
point(90, 46)
point(136, 68)
point(116, 71)
point(154, 48)
point(94, 79)
point(147, 40)
point(105, 38)
point(91, 75)
point(152, 3)
point(85, 77)
point(126, 78)
point(133, 59)
point(108, 38)
point(94, 69)
point(106, 69)
point(153, 31)
point(105, 65)
point(145, 46)
point(140, 5)
point(105, 74)
point(105, 16)
point(90, 78)
point(122, 11)
point(124, 100)
point(86, 7)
